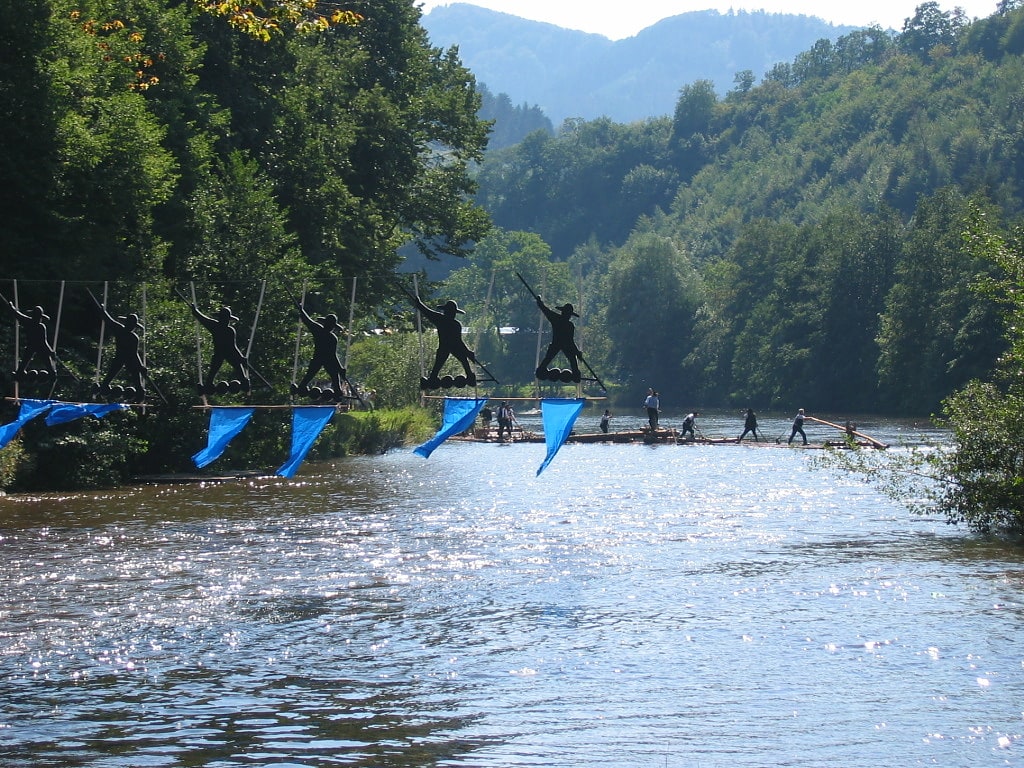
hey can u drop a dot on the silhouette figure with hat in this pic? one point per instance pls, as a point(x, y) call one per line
point(127, 355)
point(225, 344)
point(449, 340)
point(325, 350)
point(563, 339)
point(37, 342)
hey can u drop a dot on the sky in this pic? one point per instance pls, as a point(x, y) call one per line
point(619, 20)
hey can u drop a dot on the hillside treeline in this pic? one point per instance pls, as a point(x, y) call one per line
point(794, 242)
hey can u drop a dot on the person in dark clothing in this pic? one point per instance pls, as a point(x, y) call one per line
point(506, 418)
point(563, 339)
point(749, 425)
point(604, 420)
point(325, 350)
point(798, 427)
point(653, 406)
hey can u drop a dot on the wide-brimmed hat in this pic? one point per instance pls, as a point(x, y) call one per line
point(451, 306)
point(225, 312)
point(568, 309)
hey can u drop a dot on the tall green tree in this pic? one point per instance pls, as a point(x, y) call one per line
point(652, 292)
point(935, 334)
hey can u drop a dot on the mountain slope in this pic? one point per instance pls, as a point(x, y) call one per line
point(572, 74)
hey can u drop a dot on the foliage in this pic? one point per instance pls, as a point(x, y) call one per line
point(12, 457)
point(652, 292)
point(821, 210)
point(263, 18)
point(978, 479)
point(510, 124)
point(389, 366)
point(150, 147)
point(375, 432)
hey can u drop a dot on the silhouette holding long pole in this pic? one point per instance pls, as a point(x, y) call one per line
point(225, 346)
point(37, 343)
point(449, 344)
point(325, 351)
point(127, 355)
point(563, 339)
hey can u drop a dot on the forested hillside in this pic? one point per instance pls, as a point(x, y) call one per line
point(572, 74)
point(796, 242)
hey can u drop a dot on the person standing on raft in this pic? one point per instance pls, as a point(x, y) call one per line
point(749, 425)
point(798, 427)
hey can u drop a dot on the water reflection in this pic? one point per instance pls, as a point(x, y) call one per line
point(632, 606)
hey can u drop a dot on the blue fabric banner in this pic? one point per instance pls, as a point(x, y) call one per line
point(559, 416)
point(307, 424)
point(29, 410)
point(225, 424)
point(61, 413)
point(459, 415)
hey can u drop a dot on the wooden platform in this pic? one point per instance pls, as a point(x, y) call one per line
point(646, 437)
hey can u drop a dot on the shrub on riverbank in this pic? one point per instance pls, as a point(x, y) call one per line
point(375, 432)
point(101, 454)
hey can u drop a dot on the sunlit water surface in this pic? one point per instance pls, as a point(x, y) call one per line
point(632, 606)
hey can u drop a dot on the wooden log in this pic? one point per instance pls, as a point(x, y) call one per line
point(874, 443)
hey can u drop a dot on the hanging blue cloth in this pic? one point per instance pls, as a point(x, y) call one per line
point(225, 424)
point(61, 413)
point(559, 416)
point(459, 415)
point(307, 424)
point(29, 410)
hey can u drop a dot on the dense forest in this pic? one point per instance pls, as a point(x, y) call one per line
point(149, 148)
point(797, 241)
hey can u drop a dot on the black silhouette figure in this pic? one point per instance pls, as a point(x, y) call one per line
point(127, 354)
point(325, 351)
point(449, 341)
point(37, 342)
point(225, 345)
point(563, 333)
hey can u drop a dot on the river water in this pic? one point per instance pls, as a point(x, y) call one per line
point(634, 605)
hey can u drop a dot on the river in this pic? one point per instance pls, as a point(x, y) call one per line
point(651, 606)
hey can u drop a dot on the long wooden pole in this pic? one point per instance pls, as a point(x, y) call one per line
point(874, 443)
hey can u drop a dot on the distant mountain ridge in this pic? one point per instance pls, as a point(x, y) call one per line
point(571, 74)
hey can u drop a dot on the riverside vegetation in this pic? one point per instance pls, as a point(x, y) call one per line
point(795, 241)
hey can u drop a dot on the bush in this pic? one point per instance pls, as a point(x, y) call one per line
point(376, 432)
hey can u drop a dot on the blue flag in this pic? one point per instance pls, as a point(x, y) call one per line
point(61, 413)
point(559, 417)
point(459, 415)
point(307, 424)
point(225, 424)
point(29, 410)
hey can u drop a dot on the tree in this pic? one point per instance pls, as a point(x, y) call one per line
point(978, 480)
point(262, 19)
point(935, 333)
point(930, 27)
point(652, 294)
